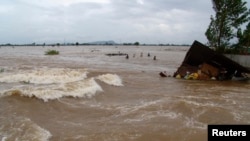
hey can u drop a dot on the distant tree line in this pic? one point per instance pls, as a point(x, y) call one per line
point(88, 44)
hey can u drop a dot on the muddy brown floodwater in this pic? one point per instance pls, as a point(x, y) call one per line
point(82, 94)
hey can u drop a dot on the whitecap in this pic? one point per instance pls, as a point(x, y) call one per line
point(111, 79)
point(84, 88)
point(44, 76)
point(53, 83)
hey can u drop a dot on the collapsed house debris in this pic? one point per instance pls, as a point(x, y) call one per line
point(203, 63)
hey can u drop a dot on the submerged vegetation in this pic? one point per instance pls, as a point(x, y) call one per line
point(52, 52)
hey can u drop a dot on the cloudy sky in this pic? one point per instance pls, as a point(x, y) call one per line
point(145, 21)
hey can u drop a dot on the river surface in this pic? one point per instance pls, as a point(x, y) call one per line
point(84, 95)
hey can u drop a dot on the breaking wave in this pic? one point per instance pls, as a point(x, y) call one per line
point(86, 88)
point(44, 76)
point(111, 79)
point(50, 84)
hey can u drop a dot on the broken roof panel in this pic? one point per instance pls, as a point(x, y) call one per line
point(199, 54)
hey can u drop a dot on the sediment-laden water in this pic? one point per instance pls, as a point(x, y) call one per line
point(84, 95)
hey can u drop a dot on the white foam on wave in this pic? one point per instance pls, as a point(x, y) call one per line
point(53, 83)
point(23, 129)
point(44, 76)
point(111, 79)
point(85, 88)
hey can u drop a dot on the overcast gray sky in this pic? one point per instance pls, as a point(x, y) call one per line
point(145, 21)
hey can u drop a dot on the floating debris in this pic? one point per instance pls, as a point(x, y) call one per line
point(117, 54)
point(203, 63)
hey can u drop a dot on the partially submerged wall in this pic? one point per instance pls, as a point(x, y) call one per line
point(243, 60)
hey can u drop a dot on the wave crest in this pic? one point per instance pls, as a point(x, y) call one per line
point(111, 79)
point(85, 88)
point(45, 76)
point(49, 84)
